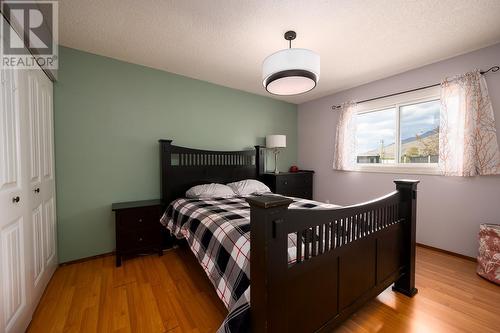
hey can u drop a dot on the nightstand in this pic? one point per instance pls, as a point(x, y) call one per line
point(138, 228)
point(293, 184)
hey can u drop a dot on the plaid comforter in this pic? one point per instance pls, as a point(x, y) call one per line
point(218, 232)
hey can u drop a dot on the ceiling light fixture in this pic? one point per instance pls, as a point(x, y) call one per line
point(290, 71)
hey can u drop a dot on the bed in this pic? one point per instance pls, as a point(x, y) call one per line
point(310, 264)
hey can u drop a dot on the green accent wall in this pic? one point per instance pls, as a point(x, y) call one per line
point(109, 115)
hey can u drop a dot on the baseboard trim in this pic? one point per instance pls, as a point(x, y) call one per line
point(418, 244)
point(447, 252)
point(87, 258)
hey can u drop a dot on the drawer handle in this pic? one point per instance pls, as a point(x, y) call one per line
point(16, 199)
point(37, 190)
point(140, 239)
point(140, 220)
point(286, 183)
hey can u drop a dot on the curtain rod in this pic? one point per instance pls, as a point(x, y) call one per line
point(335, 107)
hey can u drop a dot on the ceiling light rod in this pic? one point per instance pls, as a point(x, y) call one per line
point(289, 36)
point(491, 69)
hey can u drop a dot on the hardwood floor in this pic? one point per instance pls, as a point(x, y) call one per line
point(172, 294)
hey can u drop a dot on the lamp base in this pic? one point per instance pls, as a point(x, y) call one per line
point(276, 161)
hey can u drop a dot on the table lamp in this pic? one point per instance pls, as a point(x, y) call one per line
point(276, 142)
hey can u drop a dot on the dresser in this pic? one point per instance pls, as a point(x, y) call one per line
point(138, 228)
point(292, 184)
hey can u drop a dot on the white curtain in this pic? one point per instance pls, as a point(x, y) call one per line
point(345, 138)
point(468, 144)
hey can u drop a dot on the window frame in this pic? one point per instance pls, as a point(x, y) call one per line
point(398, 101)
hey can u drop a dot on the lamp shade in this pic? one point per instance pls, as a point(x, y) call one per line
point(276, 141)
point(291, 71)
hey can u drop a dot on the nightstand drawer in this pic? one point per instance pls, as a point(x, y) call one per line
point(138, 239)
point(294, 181)
point(304, 193)
point(138, 218)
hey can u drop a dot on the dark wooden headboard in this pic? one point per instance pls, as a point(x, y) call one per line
point(182, 168)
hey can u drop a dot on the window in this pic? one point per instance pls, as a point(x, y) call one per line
point(375, 136)
point(399, 133)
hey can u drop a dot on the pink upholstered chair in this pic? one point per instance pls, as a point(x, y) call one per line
point(488, 260)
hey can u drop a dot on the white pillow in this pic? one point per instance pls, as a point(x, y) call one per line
point(210, 191)
point(248, 186)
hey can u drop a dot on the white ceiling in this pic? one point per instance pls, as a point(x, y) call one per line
point(225, 41)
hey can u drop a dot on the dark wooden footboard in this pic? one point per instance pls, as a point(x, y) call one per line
point(345, 257)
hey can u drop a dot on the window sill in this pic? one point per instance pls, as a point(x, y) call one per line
point(400, 169)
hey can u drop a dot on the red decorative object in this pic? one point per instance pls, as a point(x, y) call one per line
point(294, 168)
point(488, 260)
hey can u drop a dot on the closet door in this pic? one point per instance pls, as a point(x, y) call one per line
point(28, 255)
point(48, 186)
point(41, 180)
point(14, 220)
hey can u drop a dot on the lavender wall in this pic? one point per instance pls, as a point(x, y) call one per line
point(450, 209)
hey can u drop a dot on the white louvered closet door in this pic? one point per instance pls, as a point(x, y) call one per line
point(28, 255)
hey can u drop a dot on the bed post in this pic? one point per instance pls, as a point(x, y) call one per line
point(165, 164)
point(259, 160)
point(268, 263)
point(408, 211)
